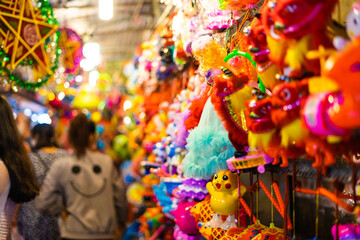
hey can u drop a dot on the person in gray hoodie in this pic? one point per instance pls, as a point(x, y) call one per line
point(84, 189)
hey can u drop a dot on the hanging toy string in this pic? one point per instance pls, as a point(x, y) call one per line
point(251, 196)
point(257, 195)
point(239, 195)
point(317, 217)
point(293, 194)
point(274, 202)
point(272, 205)
point(317, 184)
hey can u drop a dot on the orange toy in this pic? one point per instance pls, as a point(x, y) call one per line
point(229, 95)
point(236, 4)
point(202, 211)
point(263, 134)
point(212, 233)
point(279, 205)
point(293, 28)
point(258, 47)
point(252, 231)
point(271, 233)
point(287, 100)
point(232, 234)
point(344, 70)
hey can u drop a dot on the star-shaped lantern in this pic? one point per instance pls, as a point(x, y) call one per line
point(24, 32)
point(71, 45)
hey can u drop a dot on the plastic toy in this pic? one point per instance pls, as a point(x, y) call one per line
point(352, 27)
point(184, 219)
point(271, 233)
point(334, 112)
point(252, 231)
point(345, 108)
point(209, 53)
point(232, 233)
point(193, 189)
point(202, 211)
point(347, 232)
point(352, 21)
point(179, 235)
point(224, 198)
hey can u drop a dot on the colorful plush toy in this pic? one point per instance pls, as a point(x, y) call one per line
point(263, 135)
point(224, 198)
point(256, 39)
point(286, 102)
point(293, 28)
point(229, 95)
point(208, 146)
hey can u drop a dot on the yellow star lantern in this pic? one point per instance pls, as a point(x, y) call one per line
point(71, 45)
point(70, 48)
point(24, 31)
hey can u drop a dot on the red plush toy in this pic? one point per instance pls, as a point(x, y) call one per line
point(287, 99)
point(229, 95)
point(294, 27)
point(258, 47)
point(263, 135)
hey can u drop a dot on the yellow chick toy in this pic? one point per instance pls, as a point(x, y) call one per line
point(224, 198)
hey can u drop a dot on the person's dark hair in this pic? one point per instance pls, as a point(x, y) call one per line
point(79, 134)
point(92, 127)
point(24, 186)
point(45, 134)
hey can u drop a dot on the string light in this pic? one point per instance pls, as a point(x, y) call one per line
point(106, 9)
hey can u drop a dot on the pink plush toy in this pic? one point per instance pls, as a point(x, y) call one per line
point(184, 219)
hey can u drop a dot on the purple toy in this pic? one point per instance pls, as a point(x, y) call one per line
point(179, 235)
point(347, 232)
point(193, 189)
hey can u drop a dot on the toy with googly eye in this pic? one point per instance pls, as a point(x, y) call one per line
point(224, 199)
point(286, 101)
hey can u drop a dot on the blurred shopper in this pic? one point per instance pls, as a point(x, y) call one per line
point(23, 124)
point(32, 224)
point(17, 178)
point(86, 187)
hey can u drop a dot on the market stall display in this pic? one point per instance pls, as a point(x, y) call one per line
point(236, 119)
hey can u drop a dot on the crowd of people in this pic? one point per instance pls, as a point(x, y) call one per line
point(49, 193)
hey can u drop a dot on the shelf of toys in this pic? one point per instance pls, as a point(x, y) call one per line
point(247, 123)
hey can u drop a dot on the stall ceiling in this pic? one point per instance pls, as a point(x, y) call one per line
point(132, 24)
